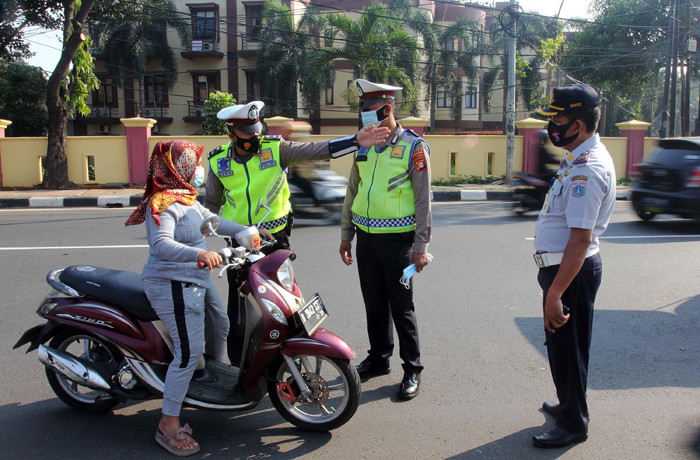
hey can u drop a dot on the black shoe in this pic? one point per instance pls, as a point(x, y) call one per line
point(558, 437)
point(369, 368)
point(410, 385)
point(551, 408)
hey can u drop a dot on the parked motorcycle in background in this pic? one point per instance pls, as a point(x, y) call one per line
point(106, 345)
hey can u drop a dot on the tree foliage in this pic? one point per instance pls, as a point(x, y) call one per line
point(134, 33)
point(621, 53)
point(23, 99)
point(284, 56)
point(216, 101)
point(17, 17)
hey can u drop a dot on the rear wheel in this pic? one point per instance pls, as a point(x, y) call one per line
point(645, 215)
point(334, 392)
point(89, 348)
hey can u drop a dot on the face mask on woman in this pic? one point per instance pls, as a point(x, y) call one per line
point(198, 177)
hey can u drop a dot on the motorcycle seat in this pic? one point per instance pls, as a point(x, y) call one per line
point(117, 287)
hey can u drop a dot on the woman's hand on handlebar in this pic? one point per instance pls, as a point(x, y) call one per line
point(209, 259)
point(267, 235)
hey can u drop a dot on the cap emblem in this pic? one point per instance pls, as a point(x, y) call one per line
point(253, 113)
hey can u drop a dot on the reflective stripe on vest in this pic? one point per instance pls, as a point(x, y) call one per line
point(245, 183)
point(385, 202)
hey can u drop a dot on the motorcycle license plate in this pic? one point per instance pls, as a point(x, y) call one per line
point(312, 314)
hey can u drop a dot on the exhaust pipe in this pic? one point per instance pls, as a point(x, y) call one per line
point(72, 369)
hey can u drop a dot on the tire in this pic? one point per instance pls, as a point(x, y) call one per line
point(80, 344)
point(646, 216)
point(335, 398)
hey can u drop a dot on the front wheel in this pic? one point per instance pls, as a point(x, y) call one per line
point(334, 396)
point(89, 348)
point(645, 215)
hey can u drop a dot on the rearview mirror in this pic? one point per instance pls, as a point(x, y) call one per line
point(210, 225)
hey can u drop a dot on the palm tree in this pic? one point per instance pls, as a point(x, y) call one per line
point(128, 45)
point(284, 55)
point(442, 61)
point(376, 45)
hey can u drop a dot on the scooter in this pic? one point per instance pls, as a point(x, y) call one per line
point(529, 192)
point(106, 345)
point(317, 193)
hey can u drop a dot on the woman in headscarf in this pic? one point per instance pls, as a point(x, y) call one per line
point(174, 284)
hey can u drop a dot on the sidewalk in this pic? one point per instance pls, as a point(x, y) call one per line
point(124, 197)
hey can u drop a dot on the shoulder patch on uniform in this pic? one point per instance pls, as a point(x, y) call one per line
point(397, 152)
point(216, 151)
point(419, 160)
point(582, 159)
point(578, 188)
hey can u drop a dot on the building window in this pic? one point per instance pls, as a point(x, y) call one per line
point(453, 163)
point(444, 100)
point(328, 38)
point(205, 20)
point(253, 21)
point(329, 94)
point(470, 98)
point(252, 86)
point(106, 94)
point(204, 84)
point(448, 45)
point(155, 91)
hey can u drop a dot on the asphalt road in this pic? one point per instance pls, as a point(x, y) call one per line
point(479, 312)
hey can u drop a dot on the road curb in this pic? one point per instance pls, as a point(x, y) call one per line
point(120, 201)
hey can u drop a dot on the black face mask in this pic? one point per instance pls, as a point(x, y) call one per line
point(250, 145)
point(556, 133)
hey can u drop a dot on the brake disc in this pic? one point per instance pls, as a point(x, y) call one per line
point(318, 387)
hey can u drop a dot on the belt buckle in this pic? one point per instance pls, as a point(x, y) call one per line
point(539, 260)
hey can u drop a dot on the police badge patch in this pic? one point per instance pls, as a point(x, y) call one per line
point(266, 159)
point(579, 188)
point(397, 152)
point(224, 167)
point(419, 160)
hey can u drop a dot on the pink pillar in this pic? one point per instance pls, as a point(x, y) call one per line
point(417, 125)
point(530, 129)
point(634, 131)
point(3, 125)
point(138, 130)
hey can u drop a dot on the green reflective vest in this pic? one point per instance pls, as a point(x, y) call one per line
point(385, 202)
point(247, 182)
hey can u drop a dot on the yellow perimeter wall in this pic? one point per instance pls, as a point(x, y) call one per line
point(21, 156)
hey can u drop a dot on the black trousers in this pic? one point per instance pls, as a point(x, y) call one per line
point(568, 348)
point(381, 259)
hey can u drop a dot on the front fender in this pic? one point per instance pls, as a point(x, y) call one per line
point(38, 335)
point(321, 342)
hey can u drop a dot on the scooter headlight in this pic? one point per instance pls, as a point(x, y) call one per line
point(275, 311)
point(285, 275)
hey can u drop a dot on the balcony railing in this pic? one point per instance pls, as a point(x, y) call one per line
point(203, 45)
point(152, 112)
point(196, 109)
point(103, 112)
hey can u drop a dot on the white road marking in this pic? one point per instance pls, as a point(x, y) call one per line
point(121, 246)
point(635, 237)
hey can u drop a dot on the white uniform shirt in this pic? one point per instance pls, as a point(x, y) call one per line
point(582, 195)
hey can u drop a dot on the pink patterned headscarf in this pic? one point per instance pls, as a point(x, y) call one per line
point(171, 167)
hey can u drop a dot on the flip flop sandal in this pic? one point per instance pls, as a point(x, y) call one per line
point(180, 434)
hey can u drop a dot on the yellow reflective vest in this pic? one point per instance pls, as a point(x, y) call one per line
point(247, 182)
point(385, 202)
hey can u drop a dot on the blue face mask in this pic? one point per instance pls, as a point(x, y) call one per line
point(198, 178)
point(373, 117)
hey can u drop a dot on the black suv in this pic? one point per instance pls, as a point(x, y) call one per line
point(669, 183)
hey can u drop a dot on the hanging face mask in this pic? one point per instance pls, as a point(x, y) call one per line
point(556, 133)
point(198, 178)
point(250, 145)
point(374, 117)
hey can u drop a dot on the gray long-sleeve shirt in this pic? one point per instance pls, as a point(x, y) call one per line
point(420, 180)
point(175, 244)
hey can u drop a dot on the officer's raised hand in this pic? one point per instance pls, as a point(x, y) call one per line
point(372, 135)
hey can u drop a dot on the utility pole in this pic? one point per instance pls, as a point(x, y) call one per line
point(667, 77)
point(674, 75)
point(510, 94)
